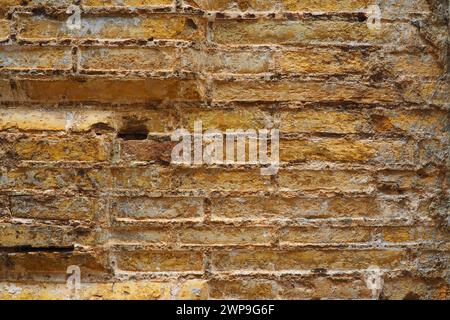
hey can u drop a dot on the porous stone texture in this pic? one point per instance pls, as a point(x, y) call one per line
point(86, 177)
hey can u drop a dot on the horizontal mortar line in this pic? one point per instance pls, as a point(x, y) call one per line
point(342, 222)
point(94, 42)
point(119, 273)
point(266, 77)
point(201, 44)
point(30, 248)
point(372, 134)
point(96, 193)
point(218, 15)
point(431, 244)
point(199, 75)
point(344, 247)
point(311, 165)
point(176, 193)
point(305, 272)
point(205, 47)
point(215, 105)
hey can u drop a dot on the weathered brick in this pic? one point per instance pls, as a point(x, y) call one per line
point(36, 265)
point(42, 58)
point(346, 150)
point(220, 179)
point(317, 287)
point(138, 208)
point(50, 178)
point(216, 235)
point(307, 32)
point(99, 90)
point(229, 61)
point(114, 28)
point(358, 234)
point(248, 118)
point(321, 61)
point(129, 120)
point(62, 149)
point(142, 290)
point(56, 207)
point(323, 121)
point(51, 119)
point(137, 236)
point(398, 181)
point(242, 289)
point(415, 122)
point(349, 181)
point(138, 59)
point(226, 5)
point(4, 30)
point(304, 259)
point(160, 261)
point(141, 178)
point(37, 236)
point(308, 207)
point(303, 91)
point(146, 150)
point(130, 3)
point(193, 290)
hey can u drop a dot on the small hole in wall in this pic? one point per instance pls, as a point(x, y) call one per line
point(132, 135)
point(191, 24)
point(133, 129)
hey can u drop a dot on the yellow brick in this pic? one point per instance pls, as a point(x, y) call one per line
point(216, 235)
point(29, 119)
point(139, 236)
point(56, 207)
point(226, 61)
point(326, 121)
point(142, 178)
point(68, 149)
point(193, 290)
point(138, 208)
point(321, 61)
point(302, 91)
point(114, 28)
point(42, 58)
point(227, 5)
point(265, 208)
point(326, 5)
point(243, 289)
point(346, 150)
point(160, 261)
point(32, 265)
point(100, 90)
point(138, 59)
point(142, 290)
point(326, 235)
point(325, 180)
point(304, 259)
point(305, 32)
point(4, 30)
point(217, 179)
point(248, 118)
point(131, 3)
point(416, 122)
point(45, 236)
point(46, 178)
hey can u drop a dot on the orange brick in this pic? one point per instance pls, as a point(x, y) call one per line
point(160, 261)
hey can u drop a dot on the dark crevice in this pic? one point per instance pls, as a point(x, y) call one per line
point(26, 249)
point(133, 136)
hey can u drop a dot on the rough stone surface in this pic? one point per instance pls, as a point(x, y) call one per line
point(86, 177)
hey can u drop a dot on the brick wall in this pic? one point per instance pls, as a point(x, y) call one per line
point(86, 117)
